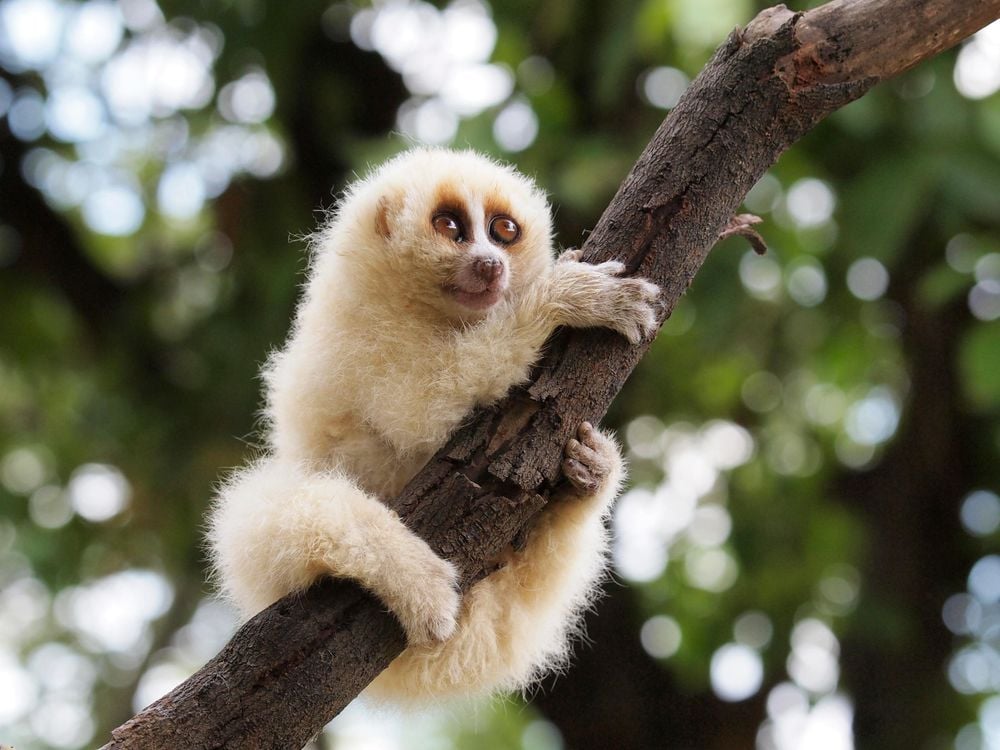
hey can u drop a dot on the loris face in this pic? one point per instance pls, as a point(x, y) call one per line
point(459, 235)
point(481, 239)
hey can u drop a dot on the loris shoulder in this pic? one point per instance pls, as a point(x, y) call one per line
point(431, 292)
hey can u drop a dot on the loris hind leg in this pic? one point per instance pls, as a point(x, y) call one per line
point(277, 526)
point(517, 624)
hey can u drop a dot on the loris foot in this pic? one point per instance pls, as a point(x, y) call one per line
point(590, 459)
point(426, 601)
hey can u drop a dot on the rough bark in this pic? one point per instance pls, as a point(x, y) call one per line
point(297, 664)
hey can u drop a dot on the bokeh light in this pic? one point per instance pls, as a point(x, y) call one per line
point(663, 86)
point(761, 276)
point(30, 33)
point(647, 523)
point(794, 722)
point(443, 57)
point(98, 492)
point(119, 80)
point(753, 629)
point(980, 513)
point(813, 663)
point(737, 672)
point(867, 279)
point(977, 69)
point(874, 418)
point(660, 636)
point(806, 281)
point(810, 202)
point(516, 127)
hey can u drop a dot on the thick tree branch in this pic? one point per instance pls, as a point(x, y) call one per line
point(297, 664)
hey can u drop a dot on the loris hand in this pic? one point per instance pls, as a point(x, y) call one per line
point(598, 295)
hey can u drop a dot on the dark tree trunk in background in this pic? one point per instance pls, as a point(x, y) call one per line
point(910, 500)
point(616, 696)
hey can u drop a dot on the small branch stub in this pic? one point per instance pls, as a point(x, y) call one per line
point(742, 225)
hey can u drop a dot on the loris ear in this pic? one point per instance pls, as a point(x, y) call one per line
point(385, 213)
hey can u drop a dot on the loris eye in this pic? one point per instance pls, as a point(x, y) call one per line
point(504, 230)
point(448, 225)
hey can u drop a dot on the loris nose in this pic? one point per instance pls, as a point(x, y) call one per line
point(488, 269)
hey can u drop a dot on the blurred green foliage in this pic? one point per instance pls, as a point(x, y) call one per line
point(863, 401)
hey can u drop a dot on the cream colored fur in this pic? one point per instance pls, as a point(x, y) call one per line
point(381, 366)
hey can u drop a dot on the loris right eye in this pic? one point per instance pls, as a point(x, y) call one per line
point(504, 230)
point(448, 225)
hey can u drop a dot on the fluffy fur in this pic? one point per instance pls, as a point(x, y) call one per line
point(405, 326)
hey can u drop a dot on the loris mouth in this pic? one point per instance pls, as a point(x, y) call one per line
point(476, 300)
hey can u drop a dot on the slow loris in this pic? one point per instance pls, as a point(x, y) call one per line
point(431, 291)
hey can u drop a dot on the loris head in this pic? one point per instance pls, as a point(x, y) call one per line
point(449, 234)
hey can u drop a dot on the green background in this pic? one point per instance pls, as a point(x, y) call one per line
point(854, 409)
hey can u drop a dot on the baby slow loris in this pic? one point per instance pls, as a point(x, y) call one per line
point(431, 292)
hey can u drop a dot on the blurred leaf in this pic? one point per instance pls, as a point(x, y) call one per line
point(979, 361)
point(942, 284)
point(886, 204)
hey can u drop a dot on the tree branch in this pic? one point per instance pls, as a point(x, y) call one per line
point(293, 667)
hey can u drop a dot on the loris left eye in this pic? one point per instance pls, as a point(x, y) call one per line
point(504, 230)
